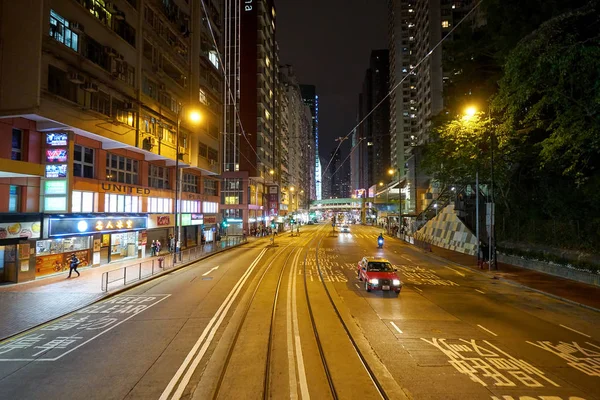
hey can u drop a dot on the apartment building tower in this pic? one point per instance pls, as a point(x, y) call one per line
point(311, 99)
point(251, 176)
point(93, 96)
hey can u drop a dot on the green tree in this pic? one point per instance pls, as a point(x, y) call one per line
point(551, 88)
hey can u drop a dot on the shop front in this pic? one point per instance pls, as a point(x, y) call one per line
point(18, 232)
point(191, 229)
point(160, 228)
point(209, 228)
point(96, 239)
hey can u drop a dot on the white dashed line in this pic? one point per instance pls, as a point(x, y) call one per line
point(416, 288)
point(356, 284)
point(477, 290)
point(406, 258)
point(571, 329)
point(395, 326)
point(487, 330)
point(460, 273)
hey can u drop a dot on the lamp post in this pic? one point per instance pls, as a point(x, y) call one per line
point(194, 117)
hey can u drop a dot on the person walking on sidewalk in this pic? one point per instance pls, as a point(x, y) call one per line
point(153, 249)
point(73, 264)
point(158, 245)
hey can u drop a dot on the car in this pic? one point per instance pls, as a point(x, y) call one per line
point(345, 228)
point(378, 274)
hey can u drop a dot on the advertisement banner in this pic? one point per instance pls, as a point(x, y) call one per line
point(78, 226)
point(210, 219)
point(15, 230)
point(160, 221)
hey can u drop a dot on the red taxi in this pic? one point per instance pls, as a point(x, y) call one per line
point(378, 274)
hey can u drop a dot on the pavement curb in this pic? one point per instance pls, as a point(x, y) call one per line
point(509, 281)
point(119, 291)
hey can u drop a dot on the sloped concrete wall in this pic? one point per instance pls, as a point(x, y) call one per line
point(448, 231)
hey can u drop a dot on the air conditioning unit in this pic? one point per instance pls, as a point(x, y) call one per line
point(76, 77)
point(76, 27)
point(90, 87)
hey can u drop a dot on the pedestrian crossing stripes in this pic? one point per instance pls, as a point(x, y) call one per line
point(365, 236)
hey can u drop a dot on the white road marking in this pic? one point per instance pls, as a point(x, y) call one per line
point(477, 290)
point(395, 326)
point(211, 270)
point(460, 273)
point(192, 359)
point(356, 284)
point(395, 252)
point(406, 258)
point(290, 338)
point(487, 330)
point(414, 287)
point(571, 329)
point(299, 358)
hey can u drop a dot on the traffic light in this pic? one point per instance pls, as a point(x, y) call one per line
point(224, 224)
point(273, 225)
point(292, 221)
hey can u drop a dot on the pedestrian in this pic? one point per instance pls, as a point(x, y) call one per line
point(153, 248)
point(73, 264)
point(158, 247)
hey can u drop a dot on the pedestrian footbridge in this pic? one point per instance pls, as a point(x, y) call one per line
point(340, 204)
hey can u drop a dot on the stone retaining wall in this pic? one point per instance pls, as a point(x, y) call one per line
point(551, 269)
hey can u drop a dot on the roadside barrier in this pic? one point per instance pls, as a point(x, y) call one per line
point(129, 274)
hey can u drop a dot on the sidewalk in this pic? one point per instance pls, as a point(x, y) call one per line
point(573, 291)
point(29, 304)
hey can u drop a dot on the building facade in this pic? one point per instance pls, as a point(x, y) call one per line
point(311, 99)
point(98, 120)
point(251, 194)
point(374, 149)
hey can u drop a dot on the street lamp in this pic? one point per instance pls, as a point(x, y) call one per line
point(194, 117)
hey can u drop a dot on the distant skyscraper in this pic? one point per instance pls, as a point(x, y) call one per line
point(311, 99)
point(375, 145)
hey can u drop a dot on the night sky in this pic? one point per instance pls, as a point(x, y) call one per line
point(328, 42)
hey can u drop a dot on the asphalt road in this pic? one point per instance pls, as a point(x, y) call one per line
point(294, 320)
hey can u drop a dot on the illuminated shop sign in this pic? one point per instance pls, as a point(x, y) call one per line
point(79, 226)
point(56, 171)
point(197, 219)
point(57, 139)
point(55, 187)
point(56, 155)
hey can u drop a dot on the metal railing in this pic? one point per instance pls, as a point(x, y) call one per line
point(141, 270)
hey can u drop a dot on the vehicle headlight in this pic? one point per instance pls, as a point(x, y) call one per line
point(374, 281)
point(396, 282)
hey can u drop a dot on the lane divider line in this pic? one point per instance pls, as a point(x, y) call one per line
point(458, 272)
point(477, 290)
point(487, 330)
point(208, 333)
point(210, 270)
point(576, 331)
point(406, 258)
point(395, 326)
point(357, 285)
point(416, 288)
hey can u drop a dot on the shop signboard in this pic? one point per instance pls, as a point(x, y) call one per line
point(56, 155)
point(110, 187)
point(197, 219)
point(160, 221)
point(55, 204)
point(55, 187)
point(56, 170)
point(15, 230)
point(57, 139)
point(210, 219)
point(186, 219)
point(80, 226)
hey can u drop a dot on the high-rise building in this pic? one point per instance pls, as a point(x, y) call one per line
point(415, 27)
point(96, 97)
point(374, 148)
point(251, 176)
point(299, 140)
point(311, 99)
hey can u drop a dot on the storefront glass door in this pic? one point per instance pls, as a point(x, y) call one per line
point(123, 246)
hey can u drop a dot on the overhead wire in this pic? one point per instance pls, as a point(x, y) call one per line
point(395, 87)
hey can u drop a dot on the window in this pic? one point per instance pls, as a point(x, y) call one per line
point(190, 206)
point(17, 145)
point(231, 192)
point(202, 96)
point(122, 203)
point(82, 202)
point(213, 154)
point(158, 177)
point(160, 205)
point(190, 183)
point(60, 30)
point(445, 24)
point(213, 58)
point(83, 162)
point(121, 169)
point(210, 207)
point(59, 85)
point(210, 187)
point(14, 199)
